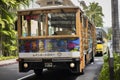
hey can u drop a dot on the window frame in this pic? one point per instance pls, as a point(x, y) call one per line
point(46, 12)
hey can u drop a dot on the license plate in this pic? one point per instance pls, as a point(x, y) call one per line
point(48, 64)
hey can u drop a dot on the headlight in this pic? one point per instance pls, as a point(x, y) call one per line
point(72, 65)
point(25, 65)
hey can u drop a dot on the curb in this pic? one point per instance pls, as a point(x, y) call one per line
point(8, 62)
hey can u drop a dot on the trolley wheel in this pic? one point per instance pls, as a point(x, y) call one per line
point(82, 72)
point(92, 59)
point(38, 71)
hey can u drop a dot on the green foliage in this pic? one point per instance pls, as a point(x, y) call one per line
point(117, 66)
point(7, 58)
point(2, 24)
point(109, 33)
point(94, 13)
point(8, 10)
point(8, 34)
point(104, 75)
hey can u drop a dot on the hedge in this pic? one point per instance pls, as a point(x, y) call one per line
point(104, 74)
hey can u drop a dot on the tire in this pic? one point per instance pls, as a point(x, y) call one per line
point(101, 54)
point(78, 70)
point(82, 72)
point(38, 71)
point(92, 59)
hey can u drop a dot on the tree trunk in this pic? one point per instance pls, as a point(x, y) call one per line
point(115, 27)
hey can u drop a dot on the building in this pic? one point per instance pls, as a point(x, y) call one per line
point(43, 3)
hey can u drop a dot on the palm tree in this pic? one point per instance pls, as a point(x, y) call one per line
point(94, 13)
point(7, 19)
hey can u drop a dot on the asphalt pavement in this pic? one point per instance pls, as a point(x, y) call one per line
point(11, 66)
point(92, 70)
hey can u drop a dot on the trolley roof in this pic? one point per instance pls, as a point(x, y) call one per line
point(51, 8)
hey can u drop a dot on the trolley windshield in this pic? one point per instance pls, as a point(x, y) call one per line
point(48, 24)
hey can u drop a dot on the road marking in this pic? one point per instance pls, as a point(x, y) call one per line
point(97, 59)
point(30, 75)
point(26, 76)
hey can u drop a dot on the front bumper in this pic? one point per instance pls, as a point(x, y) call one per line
point(55, 63)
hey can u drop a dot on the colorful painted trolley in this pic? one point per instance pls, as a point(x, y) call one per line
point(55, 38)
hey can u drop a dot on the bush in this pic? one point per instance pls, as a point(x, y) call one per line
point(6, 58)
point(104, 74)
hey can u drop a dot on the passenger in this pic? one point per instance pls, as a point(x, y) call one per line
point(55, 33)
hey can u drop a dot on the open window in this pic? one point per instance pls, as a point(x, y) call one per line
point(61, 23)
point(49, 24)
point(33, 25)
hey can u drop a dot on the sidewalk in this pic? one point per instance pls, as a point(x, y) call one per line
point(7, 62)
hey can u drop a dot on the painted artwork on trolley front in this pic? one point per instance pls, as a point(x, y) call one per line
point(49, 45)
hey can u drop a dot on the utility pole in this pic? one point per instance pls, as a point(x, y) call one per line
point(115, 27)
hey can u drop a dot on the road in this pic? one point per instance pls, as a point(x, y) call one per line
point(10, 72)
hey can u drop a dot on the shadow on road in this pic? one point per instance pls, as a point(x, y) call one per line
point(54, 75)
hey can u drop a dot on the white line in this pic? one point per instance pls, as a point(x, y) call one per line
point(97, 59)
point(29, 75)
point(26, 76)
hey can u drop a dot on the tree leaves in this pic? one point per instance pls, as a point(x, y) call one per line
point(2, 24)
point(104, 75)
point(94, 13)
point(8, 10)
